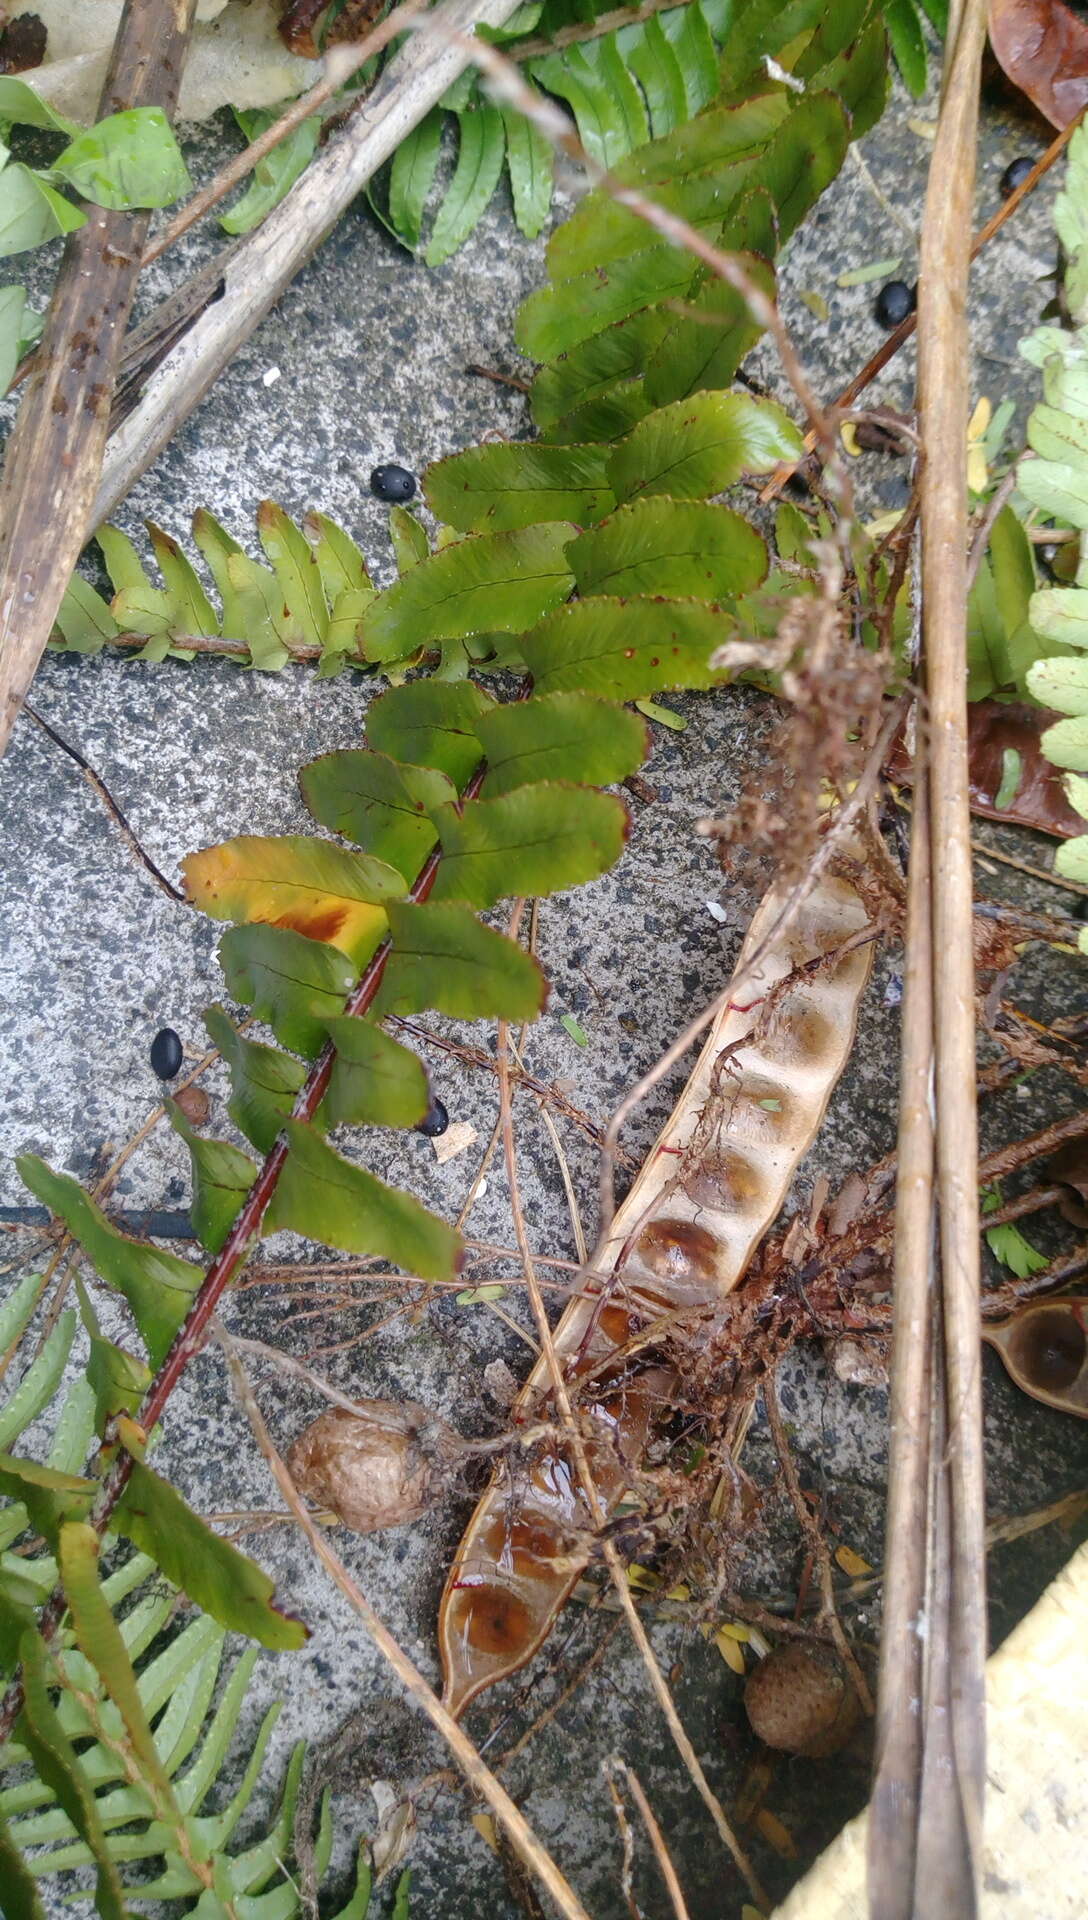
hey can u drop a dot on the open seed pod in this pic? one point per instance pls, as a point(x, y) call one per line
point(1045, 1350)
point(380, 1467)
point(800, 1700)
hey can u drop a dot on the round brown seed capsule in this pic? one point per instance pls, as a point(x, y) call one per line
point(801, 1701)
point(380, 1467)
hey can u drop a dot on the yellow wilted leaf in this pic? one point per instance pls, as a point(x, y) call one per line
point(851, 1562)
point(736, 1630)
point(311, 886)
point(848, 434)
point(680, 1592)
point(641, 1579)
point(485, 1827)
point(730, 1651)
point(776, 1834)
point(748, 1912)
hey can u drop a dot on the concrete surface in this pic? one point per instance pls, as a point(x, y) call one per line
point(370, 350)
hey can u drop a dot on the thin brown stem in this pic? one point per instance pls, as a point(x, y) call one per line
point(596, 1508)
point(116, 813)
point(478, 1775)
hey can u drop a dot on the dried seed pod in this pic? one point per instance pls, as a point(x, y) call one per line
point(1045, 1349)
point(801, 1701)
point(380, 1467)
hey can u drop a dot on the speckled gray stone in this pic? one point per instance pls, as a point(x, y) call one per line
point(370, 351)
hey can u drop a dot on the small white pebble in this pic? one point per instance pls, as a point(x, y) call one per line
point(270, 376)
point(717, 912)
point(454, 1141)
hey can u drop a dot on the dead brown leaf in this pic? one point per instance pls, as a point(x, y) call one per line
point(1043, 47)
point(994, 728)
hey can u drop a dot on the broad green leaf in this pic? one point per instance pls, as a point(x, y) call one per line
point(190, 610)
point(1055, 435)
point(375, 1081)
point(21, 1898)
point(138, 603)
point(610, 416)
point(653, 60)
point(324, 1197)
point(292, 983)
point(217, 1578)
point(17, 1309)
point(222, 1176)
point(50, 1497)
point(1071, 863)
point(41, 1379)
point(1010, 558)
point(1062, 684)
point(1061, 614)
point(626, 649)
point(12, 310)
point(31, 212)
point(558, 318)
point(443, 958)
point(530, 163)
point(1067, 742)
point(803, 159)
point(305, 885)
point(412, 177)
point(536, 840)
point(344, 633)
point(20, 103)
point(701, 446)
point(430, 725)
point(275, 175)
point(592, 369)
point(339, 561)
point(119, 1380)
point(476, 175)
point(264, 1082)
point(377, 802)
point(603, 59)
point(99, 1640)
point(1058, 487)
point(84, 619)
point(663, 546)
point(507, 484)
point(130, 159)
point(158, 1287)
point(706, 344)
point(908, 43)
point(559, 736)
point(217, 547)
point(57, 1763)
point(409, 537)
point(294, 563)
point(697, 170)
point(270, 627)
point(488, 583)
point(690, 37)
point(606, 119)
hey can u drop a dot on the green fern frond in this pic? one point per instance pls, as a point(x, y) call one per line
point(122, 1740)
point(1056, 481)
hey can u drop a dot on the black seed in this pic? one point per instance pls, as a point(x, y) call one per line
point(894, 302)
point(434, 1121)
point(392, 482)
point(166, 1054)
point(1016, 172)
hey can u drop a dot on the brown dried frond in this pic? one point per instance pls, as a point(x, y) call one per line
point(835, 688)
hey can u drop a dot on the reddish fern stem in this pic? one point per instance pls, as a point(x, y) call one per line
point(189, 1339)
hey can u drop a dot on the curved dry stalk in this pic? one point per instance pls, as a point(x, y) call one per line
point(656, 1837)
point(476, 1772)
point(576, 1443)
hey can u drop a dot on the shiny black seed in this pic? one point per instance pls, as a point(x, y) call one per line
point(1016, 172)
point(166, 1054)
point(392, 482)
point(434, 1121)
point(894, 302)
